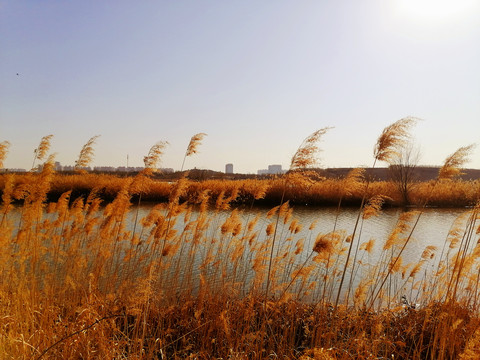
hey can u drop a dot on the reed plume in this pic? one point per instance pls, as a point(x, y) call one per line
point(373, 207)
point(453, 163)
point(41, 151)
point(4, 145)
point(368, 246)
point(429, 252)
point(138, 185)
point(304, 157)
point(415, 270)
point(392, 138)
point(195, 141)
point(152, 160)
point(192, 148)
point(323, 244)
point(353, 182)
point(86, 154)
point(306, 154)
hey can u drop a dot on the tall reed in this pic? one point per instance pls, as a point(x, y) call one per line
point(391, 138)
point(450, 168)
point(192, 147)
point(151, 162)
point(4, 145)
point(304, 157)
point(41, 151)
point(86, 154)
point(188, 280)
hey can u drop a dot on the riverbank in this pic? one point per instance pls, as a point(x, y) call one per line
point(300, 190)
point(193, 279)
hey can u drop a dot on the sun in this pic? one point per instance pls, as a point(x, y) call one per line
point(436, 11)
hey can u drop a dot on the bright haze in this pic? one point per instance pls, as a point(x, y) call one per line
point(256, 76)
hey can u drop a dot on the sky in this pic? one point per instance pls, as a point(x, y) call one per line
point(256, 76)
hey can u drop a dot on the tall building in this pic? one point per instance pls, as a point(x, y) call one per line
point(272, 169)
point(275, 169)
point(229, 169)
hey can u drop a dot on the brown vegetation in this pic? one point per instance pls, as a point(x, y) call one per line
point(78, 282)
point(195, 278)
point(303, 190)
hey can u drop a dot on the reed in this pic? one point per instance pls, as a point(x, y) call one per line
point(4, 145)
point(450, 168)
point(193, 145)
point(304, 157)
point(152, 159)
point(41, 151)
point(388, 143)
point(312, 191)
point(86, 154)
point(86, 279)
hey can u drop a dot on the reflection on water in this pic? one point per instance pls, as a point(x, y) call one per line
point(432, 228)
point(190, 257)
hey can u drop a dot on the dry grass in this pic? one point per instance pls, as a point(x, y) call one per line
point(197, 278)
point(304, 190)
point(190, 282)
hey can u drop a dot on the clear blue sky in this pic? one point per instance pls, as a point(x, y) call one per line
point(256, 76)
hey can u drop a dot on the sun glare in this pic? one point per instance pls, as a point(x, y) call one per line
point(436, 10)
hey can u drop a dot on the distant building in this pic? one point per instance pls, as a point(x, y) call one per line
point(105, 168)
point(14, 170)
point(84, 168)
point(272, 169)
point(229, 169)
point(132, 169)
point(275, 169)
point(57, 166)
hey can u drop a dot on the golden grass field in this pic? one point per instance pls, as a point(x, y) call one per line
point(83, 278)
point(303, 190)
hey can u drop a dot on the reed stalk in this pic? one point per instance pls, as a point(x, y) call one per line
point(41, 151)
point(391, 138)
point(77, 282)
point(304, 157)
point(192, 147)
